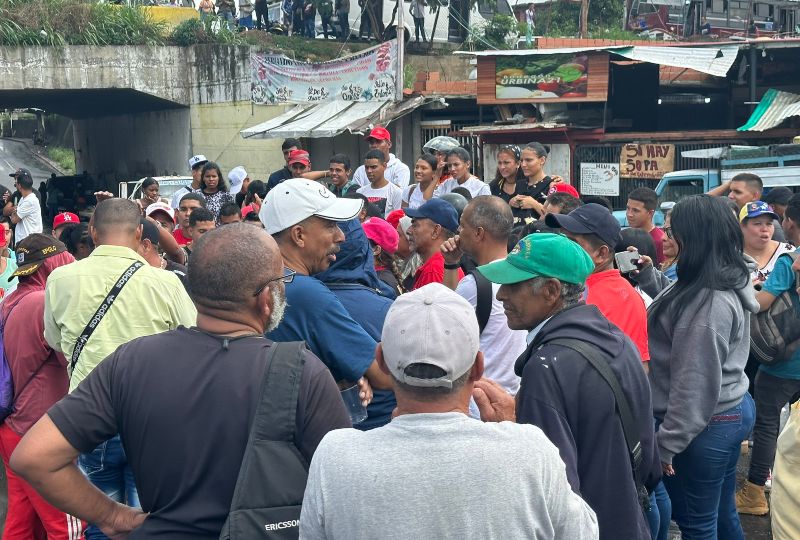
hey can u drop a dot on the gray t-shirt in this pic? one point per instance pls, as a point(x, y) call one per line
point(441, 476)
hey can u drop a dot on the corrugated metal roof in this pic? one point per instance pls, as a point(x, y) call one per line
point(772, 110)
point(331, 118)
point(715, 61)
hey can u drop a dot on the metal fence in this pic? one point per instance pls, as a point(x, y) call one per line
point(610, 153)
point(435, 128)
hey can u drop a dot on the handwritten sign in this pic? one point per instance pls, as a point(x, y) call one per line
point(366, 76)
point(648, 161)
point(600, 179)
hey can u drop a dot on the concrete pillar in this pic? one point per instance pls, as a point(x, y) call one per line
point(131, 146)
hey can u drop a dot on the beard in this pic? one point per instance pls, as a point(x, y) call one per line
point(278, 309)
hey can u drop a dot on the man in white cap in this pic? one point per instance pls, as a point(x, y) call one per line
point(302, 216)
point(196, 166)
point(434, 472)
point(239, 180)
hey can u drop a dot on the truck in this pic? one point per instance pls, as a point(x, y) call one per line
point(776, 165)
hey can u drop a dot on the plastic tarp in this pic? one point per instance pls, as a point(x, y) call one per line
point(772, 110)
point(331, 118)
point(715, 61)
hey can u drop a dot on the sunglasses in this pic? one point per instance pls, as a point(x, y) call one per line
point(668, 232)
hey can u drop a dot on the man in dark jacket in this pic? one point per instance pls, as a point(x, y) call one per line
point(542, 284)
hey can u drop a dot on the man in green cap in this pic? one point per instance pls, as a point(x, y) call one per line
point(542, 288)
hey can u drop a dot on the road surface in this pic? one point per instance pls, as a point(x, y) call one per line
point(15, 154)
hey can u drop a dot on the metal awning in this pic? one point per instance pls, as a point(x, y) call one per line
point(331, 118)
point(772, 110)
point(715, 60)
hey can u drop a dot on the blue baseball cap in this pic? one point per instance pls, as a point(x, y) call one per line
point(588, 219)
point(440, 212)
point(755, 209)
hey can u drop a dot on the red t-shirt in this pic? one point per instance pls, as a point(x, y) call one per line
point(621, 304)
point(658, 238)
point(177, 234)
point(432, 271)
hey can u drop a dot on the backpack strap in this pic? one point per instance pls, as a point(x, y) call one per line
point(591, 353)
point(483, 306)
point(280, 389)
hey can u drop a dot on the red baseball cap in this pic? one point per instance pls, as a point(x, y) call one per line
point(564, 188)
point(299, 156)
point(63, 218)
point(394, 217)
point(382, 233)
point(380, 133)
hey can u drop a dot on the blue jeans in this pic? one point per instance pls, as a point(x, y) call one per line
point(107, 468)
point(704, 485)
point(310, 30)
point(660, 513)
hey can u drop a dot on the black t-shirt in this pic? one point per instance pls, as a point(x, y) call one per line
point(538, 191)
point(183, 405)
point(277, 177)
point(177, 269)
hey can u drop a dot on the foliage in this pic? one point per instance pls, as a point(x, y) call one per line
point(64, 157)
point(300, 48)
point(560, 19)
point(210, 30)
point(74, 22)
point(501, 32)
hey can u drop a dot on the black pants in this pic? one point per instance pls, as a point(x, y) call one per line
point(419, 28)
point(344, 24)
point(772, 393)
point(326, 22)
point(262, 14)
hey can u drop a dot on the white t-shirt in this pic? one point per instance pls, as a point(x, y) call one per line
point(30, 213)
point(397, 173)
point(416, 199)
point(763, 273)
point(388, 198)
point(475, 186)
point(500, 345)
point(442, 476)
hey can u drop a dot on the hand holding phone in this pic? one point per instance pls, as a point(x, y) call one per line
point(627, 261)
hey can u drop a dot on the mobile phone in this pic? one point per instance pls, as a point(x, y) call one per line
point(627, 261)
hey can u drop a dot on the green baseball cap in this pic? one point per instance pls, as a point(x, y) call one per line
point(541, 255)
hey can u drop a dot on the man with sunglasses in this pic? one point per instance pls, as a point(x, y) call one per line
point(183, 402)
point(302, 216)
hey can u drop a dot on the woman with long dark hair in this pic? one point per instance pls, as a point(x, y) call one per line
point(532, 193)
point(214, 188)
point(699, 336)
point(510, 178)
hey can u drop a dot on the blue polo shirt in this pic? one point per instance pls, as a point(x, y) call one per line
point(779, 281)
point(316, 316)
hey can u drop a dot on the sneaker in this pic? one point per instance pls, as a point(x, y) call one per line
point(751, 500)
point(768, 483)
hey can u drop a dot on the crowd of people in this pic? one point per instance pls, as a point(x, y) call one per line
point(513, 362)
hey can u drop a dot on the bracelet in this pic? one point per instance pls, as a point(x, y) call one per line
point(452, 266)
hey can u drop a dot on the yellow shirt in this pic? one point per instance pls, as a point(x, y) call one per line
point(152, 301)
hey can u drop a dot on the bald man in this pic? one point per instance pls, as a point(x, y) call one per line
point(172, 398)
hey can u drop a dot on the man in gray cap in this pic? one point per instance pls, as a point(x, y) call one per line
point(434, 472)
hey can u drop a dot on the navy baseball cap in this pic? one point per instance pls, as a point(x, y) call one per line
point(440, 212)
point(588, 219)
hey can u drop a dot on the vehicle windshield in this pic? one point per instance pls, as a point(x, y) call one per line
point(676, 190)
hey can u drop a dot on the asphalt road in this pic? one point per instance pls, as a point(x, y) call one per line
point(15, 154)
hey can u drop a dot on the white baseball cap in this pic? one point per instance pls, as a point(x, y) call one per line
point(236, 176)
point(296, 199)
point(160, 207)
point(431, 325)
point(194, 161)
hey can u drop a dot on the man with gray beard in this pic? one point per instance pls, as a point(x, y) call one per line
point(183, 401)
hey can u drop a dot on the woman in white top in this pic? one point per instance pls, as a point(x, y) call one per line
point(459, 162)
point(426, 182)
point(756, 219)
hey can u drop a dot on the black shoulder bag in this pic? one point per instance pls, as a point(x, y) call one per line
point(483, 305)
point(272, 479)
point(101, 312)
point(590, 353)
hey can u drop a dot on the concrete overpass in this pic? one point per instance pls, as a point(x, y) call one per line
point(136, 109)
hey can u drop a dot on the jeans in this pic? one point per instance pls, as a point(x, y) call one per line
point(310, 31)
point(227, 16)
point(419, 28)
point(344, 24)
point(660, 513)
point(703, 489)
point(107, 468)
point(246, 21)
point(326, 23)
point(772, 393)
point(262, 15)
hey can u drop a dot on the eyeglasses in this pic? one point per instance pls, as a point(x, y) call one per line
point(668, 232)
point(287, 277)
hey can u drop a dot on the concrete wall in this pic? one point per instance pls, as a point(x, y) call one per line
point(131, 146)
point(558, 161)
point(453, 67)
